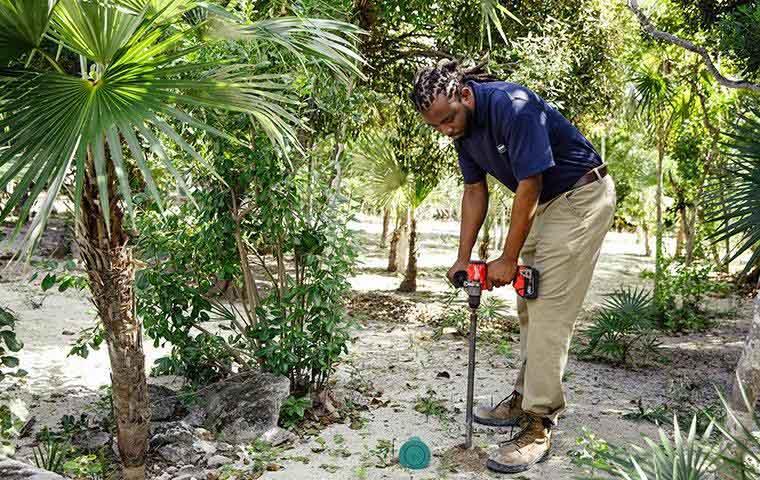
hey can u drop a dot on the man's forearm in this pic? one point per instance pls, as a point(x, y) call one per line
point(474, 209)
point(523, 212)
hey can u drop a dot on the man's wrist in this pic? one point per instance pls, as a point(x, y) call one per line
point(508, 257)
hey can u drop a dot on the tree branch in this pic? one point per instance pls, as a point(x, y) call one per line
point(647, 26)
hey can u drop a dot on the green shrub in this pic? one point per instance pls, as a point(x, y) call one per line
point(9, 343)
point(287, 260)
point(623, 328)
point(683, 289)
point(293, 410)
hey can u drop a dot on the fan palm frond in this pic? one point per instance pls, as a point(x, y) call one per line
point(141, 80)
point(740, 217)
point(376, 163)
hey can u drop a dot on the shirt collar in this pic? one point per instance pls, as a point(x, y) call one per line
point(481, 108)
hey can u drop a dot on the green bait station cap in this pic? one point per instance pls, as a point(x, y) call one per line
point(414, 454)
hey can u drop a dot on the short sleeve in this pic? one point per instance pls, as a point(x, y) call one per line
point(528, 143)
point(471, 171)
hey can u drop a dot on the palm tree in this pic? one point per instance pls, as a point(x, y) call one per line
point(418, 191)
point(384, 180)
point(660, 104)
point(86, 86)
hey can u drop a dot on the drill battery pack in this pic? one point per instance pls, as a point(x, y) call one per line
point(526, 282)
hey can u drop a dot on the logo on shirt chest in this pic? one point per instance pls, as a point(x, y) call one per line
point(501, 148)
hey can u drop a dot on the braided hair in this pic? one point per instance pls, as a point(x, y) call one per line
point(446, 78)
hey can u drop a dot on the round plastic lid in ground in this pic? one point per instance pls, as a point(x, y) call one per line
point(414, 454)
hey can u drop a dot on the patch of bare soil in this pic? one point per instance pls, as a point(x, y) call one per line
point(460, 459)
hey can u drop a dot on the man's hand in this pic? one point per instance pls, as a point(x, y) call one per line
point(502, 271)
point(460, 265)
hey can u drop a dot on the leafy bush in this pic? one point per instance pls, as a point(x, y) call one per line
point(683, 289)
point(293, 410)
point(276, 244)
point(9, 343)
point(624, 326)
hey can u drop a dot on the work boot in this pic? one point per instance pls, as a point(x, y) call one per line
point(527, 448)
point(506, 413)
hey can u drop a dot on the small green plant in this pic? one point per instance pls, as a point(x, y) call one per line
point(492, 317)
point(51, 455)
point(384, 452)
point(658, 415)
point(505, 349)
point(293, 410)
point(623, 326)
point(429, 405)
point(12, 418)
point(9, 343)
point(259, 455)
point(89, 467)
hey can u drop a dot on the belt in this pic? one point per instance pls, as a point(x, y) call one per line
point(591, 176)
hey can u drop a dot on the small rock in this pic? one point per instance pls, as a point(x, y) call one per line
point(218, 461)
point(164, 404)
point(68, 333)
point(277, 436)
point(13, 470)
point(240, 411)
point(443, 374)
point(189, 472)
point(165, 476)
point(177, 443)
point(92, 441)
point(204, 434)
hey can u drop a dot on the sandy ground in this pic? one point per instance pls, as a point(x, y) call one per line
point(398, 357)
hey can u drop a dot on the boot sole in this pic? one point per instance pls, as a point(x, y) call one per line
point(495, 422)
point(499, 468)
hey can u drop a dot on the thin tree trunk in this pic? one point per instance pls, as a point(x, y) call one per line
point(659, 233)
point(485, 241)
point(410, 278)
point(392, 252)
point(110, 269)
point(647, 246)
point(683, 231)
point(386, 221)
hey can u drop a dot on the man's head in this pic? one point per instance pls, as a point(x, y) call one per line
point(444, 99)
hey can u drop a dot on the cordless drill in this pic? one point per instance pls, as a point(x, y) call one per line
point(474, 281)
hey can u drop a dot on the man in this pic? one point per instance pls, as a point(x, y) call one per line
point(563, 206)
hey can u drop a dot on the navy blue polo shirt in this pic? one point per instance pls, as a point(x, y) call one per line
point(515, 134)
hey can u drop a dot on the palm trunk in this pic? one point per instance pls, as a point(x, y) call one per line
point(386, 221)
point(110, 269)
point(410, 278)
point(645, 232)
point(393, 250)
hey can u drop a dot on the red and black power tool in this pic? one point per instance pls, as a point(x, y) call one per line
point(474, 281)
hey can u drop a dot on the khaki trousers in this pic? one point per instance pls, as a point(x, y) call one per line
point(563, 244)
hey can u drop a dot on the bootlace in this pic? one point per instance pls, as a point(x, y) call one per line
point(512, 398)
point(529, 423)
